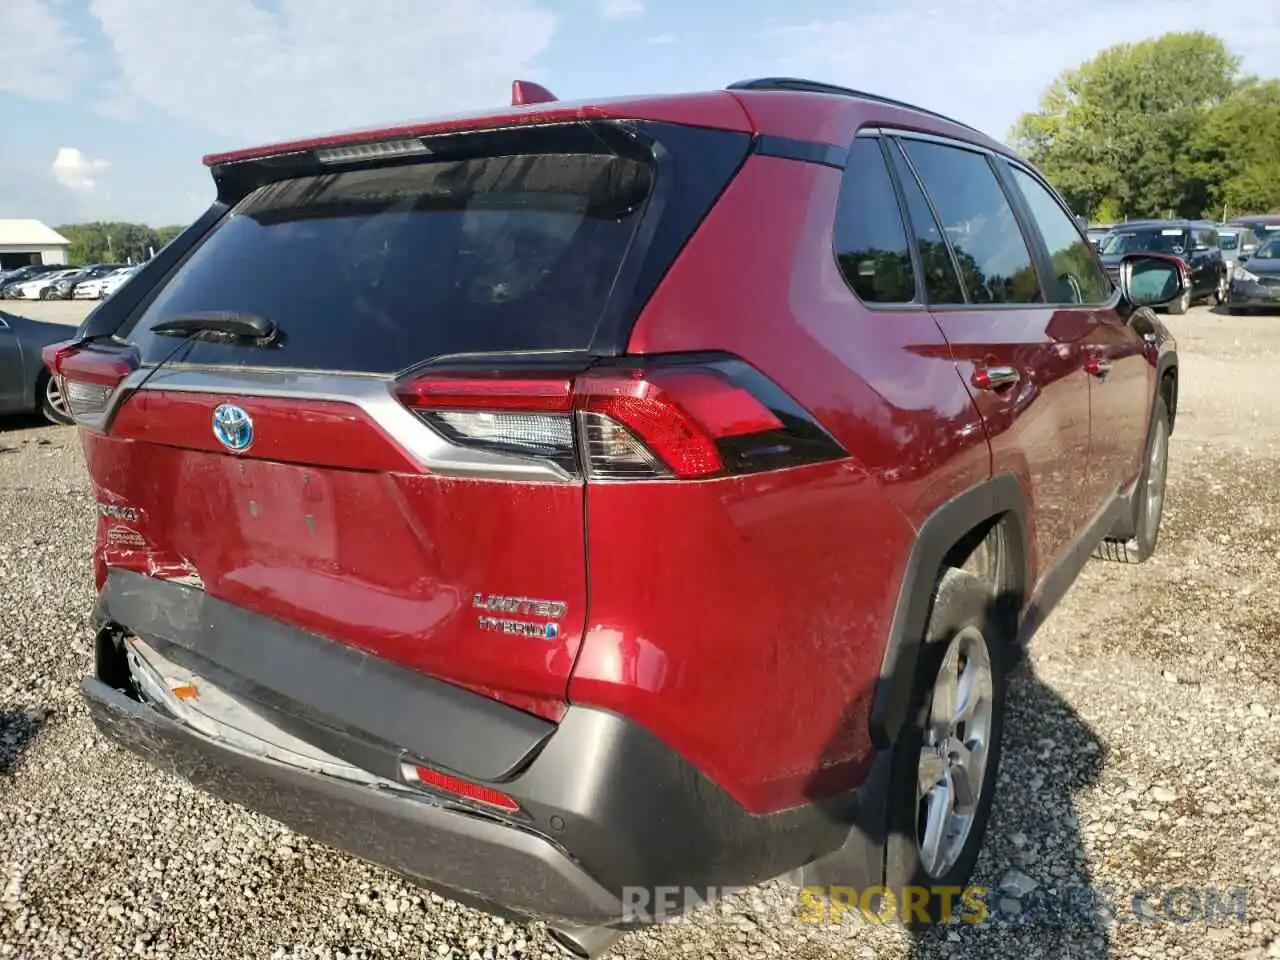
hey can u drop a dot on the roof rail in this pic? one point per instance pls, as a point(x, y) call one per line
point(816, 86)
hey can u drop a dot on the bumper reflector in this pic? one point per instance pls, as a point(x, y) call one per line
point(458, 787)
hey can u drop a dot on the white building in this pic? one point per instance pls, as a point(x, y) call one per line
point(30, 241)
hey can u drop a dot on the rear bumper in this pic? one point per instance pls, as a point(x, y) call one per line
point(605, 807)
point(487, 864)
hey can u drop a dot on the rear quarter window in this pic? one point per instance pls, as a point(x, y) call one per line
point(870, 239)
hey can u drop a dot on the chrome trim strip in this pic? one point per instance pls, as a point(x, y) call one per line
point(373, 396)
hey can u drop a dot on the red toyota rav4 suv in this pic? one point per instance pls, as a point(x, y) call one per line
point(577, 500)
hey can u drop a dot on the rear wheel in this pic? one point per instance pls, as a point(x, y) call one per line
point(1182, 304)
point(47, 293)
point(946, 757)
point(53, 403)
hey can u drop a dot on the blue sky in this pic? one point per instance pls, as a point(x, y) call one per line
point(106, 106)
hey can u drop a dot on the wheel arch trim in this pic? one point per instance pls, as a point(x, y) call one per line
point(1000, 499)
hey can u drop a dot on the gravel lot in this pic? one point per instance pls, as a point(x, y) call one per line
point(70, 312)
point(1144, 730)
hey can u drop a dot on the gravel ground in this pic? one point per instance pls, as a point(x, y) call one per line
point(54, 311)
point(1144, 731)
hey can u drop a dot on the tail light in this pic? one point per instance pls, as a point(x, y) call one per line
point(684, 419)
point(90, 376)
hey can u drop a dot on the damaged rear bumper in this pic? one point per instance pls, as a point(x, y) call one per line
point(316, 736)
point(482, 862)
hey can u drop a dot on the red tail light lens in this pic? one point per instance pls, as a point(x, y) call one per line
point(681, 418)
point(90, 376)
point(440, 392)
point(447, 783)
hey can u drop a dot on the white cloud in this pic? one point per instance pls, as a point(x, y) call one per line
point(75, 171)
point(621, 9)
point(249, 74)
point(987, 61)
point(39, 58)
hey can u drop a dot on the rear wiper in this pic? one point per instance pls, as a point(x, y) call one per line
point(229, 323)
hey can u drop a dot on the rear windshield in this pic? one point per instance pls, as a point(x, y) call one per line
point(373, 270)
point(1229, 241)
point(1151, 239)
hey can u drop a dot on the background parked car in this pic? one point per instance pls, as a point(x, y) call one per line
point(114, 281)
point(1234, 241)
point(87, 278)
point(1195, 242)
point(40, 287)
point(1098, 232)
point(66, 284)
point(1256, 282)
point(25, 273)
point(1263, 225)
point(26, 385)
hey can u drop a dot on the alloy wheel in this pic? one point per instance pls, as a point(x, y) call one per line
point(953, 754)
point(1157, 464)
point(55, 398)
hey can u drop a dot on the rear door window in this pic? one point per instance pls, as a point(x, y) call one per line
point(375, 269)
point(995, 263)
point(941, 281)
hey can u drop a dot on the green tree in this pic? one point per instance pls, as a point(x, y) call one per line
point(165, 234)
point(102, 242)
point(1117, 131)
point(1235, 152)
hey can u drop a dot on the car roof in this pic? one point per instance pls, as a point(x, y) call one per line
point(1207, 224)
point(774, 106)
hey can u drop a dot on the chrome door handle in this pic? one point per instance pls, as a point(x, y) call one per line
point(994, 378)
point(1098, 366)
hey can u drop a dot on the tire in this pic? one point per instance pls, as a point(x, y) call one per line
point(1220, 294)
point(47, 294)
point(1181, 305)
point(52, 404)
point(1147, 509)
point(965, 633)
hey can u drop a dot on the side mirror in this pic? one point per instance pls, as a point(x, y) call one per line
point(1152, 279)
point(1245, 254)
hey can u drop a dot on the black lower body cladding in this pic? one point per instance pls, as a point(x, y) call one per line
point(604, 805)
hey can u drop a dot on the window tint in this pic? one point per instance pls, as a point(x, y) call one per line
point(870, 241)
point(995, 264)
point(1208, 238)
point(1228, 241)
point(375, 269)
point(941, 282)
point(1078, 276)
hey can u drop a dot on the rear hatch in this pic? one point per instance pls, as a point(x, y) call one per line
point(395, 465)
